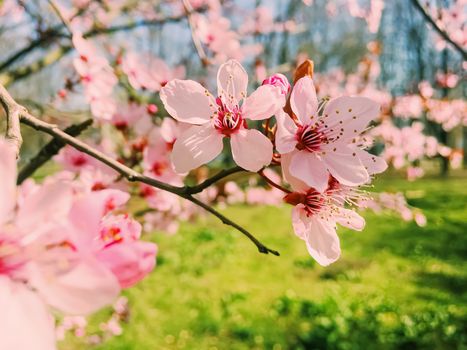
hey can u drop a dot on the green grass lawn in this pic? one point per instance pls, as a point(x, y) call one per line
point(397, 286)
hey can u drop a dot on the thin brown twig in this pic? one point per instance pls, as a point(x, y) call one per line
point(436, 27)
point(128, 173)
point(272, 183)
point(62, 17)
point(213, 179)
point(198, 46)
point(49, 150)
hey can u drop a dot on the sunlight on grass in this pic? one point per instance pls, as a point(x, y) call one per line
point(396, 286)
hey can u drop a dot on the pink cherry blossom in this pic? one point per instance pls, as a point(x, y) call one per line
point(318, 145)
point(128, 115)
point(215, 119)
point(31, 249)
point(279, 80)
point(22, 308)
point(111, 241)
point(392, 202)
point(409, 106)
point(146, 71)
point(315, 217)
point(97, 77)
point(129, 260)
point(261, 21)
point(74, 160)
point(214, 31)
point(156, 156)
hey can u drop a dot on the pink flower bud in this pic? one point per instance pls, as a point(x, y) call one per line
point(279, 80)
point(152, 108)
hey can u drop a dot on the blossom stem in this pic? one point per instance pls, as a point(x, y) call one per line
point(213, 179)
point(62, 17)
point(272, 183)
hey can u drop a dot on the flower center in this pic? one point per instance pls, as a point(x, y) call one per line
point(158, 168)
point(79, 160)
point(310, 138)
point(312, 200)
point(228, 121)
point(111, 235)
point(11, 256)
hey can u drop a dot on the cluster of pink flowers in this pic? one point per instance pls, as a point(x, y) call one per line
point(400, 132)
point(262, 21)
point(97, 77)
point(394, 202)
point(318, 143)
point(145, 71)
point(451, 20)
point(449, 114)
point(61, 248)
point(407, 145)
point(112, 327)
point(68, 246)
point(215, 32)
point(372, 14)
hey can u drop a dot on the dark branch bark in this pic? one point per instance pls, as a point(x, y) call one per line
point(50, 150)
point(210, 181)
point(441, 32)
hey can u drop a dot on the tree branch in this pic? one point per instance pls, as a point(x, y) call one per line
point(13, 113)
point(126, 172)
point(198, 46)
point(227, 221)
point(22, 72)
point(50, 150)
point(441, 32)
point(62, 17)
point(212, 180)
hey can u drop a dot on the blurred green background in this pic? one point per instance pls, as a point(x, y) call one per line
point(397, 285)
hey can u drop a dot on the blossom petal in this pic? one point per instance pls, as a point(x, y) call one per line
point(345, 166)
point(303, 100)
point(372, 163)
point(322, 241)
point(300, 221)
point(351, 219)
point(351, 115)
point(266, 101)
point(310, 169)
point(7, 180)
point(295, 183)
point(50, 203)
point(232, 82)
point(251, 149)
point(87, 212)
point(129, 262)
point(25, 323)
point(82, 290)
point(285, 135)
point(188, 101)
point(196, 146)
